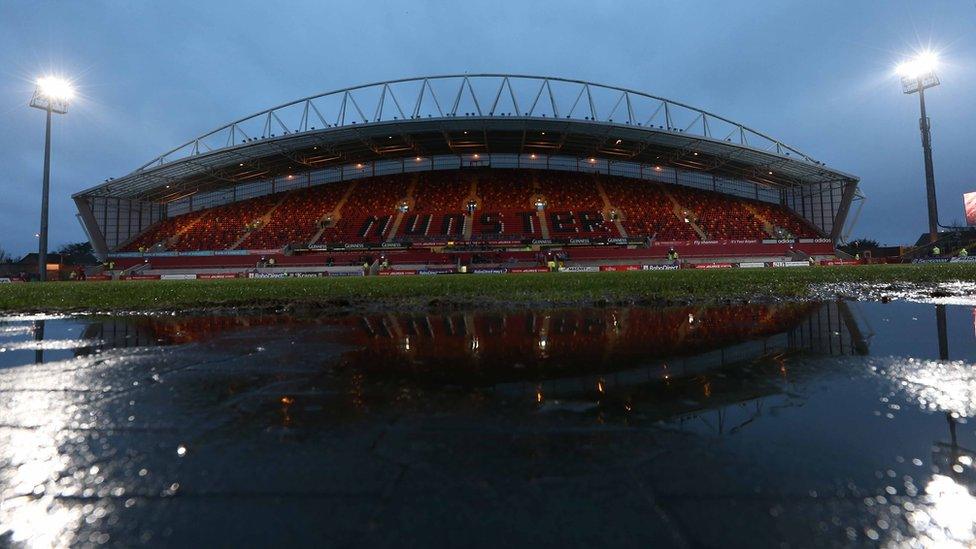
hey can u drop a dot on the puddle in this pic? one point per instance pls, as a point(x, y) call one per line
point(830, 424)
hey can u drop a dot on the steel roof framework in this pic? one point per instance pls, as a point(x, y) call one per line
point(482, 99)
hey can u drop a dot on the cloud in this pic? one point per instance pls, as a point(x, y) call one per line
point(153, 75)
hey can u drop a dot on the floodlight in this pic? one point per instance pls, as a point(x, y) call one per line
point(55, 88)
point(52, 92)
point(922, 63)
point(51, 95)
point(918, 73)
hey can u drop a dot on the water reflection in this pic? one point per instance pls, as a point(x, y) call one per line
point(944, 514)
point(130, 412)
point(950, 514)
point(940, 323)
point(642, 363)
point(39, 336)
point(947, 521)
point(498, 345)
point(31, 459)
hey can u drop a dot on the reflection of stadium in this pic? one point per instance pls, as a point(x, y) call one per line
point(561, 352)
point(426, 168)
point(717, 366)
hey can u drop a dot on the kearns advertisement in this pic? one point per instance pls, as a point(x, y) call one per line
point(969, 200)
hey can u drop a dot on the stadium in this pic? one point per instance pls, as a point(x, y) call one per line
point(480, 172)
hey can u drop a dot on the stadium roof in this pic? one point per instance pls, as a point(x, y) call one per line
point(464, 115)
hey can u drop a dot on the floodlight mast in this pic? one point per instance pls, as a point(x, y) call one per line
point(916, 76)
point(51, 95)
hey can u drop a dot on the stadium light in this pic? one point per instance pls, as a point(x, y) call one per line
point(51, 95)
point(52, 92)
point(922, 65)
point(917, 75)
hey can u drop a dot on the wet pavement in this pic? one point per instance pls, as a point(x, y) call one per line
point(793, 424)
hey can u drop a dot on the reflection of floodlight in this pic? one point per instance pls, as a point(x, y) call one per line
point(917, 75)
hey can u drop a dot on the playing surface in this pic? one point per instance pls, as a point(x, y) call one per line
point(468, 290)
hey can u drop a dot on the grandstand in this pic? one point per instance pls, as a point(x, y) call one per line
point(498, 166)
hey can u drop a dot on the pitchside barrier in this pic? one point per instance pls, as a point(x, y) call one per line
point(586, 247)
point(510, 270)
point(398, 272)
point(580, 269)
point(463, 244)
point(966, 259)
point(216, 276)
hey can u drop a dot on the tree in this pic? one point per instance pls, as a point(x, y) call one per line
point(5, 257)
point(78, 253)
point(860, 245)
point(864, 243)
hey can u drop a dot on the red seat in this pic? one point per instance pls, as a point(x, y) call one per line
point(506, 209)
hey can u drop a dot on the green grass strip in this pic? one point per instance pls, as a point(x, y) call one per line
point(465, 290)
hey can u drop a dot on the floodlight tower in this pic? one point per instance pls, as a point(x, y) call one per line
point(50, 95)
point(917, 75)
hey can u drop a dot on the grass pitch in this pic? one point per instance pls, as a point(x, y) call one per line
point(686, 285)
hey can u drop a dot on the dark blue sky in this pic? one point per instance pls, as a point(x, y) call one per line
point(816, 75)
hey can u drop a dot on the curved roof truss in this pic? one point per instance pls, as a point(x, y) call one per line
point(482, 95)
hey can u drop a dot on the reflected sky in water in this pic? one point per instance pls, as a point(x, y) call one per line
point(689, 426)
